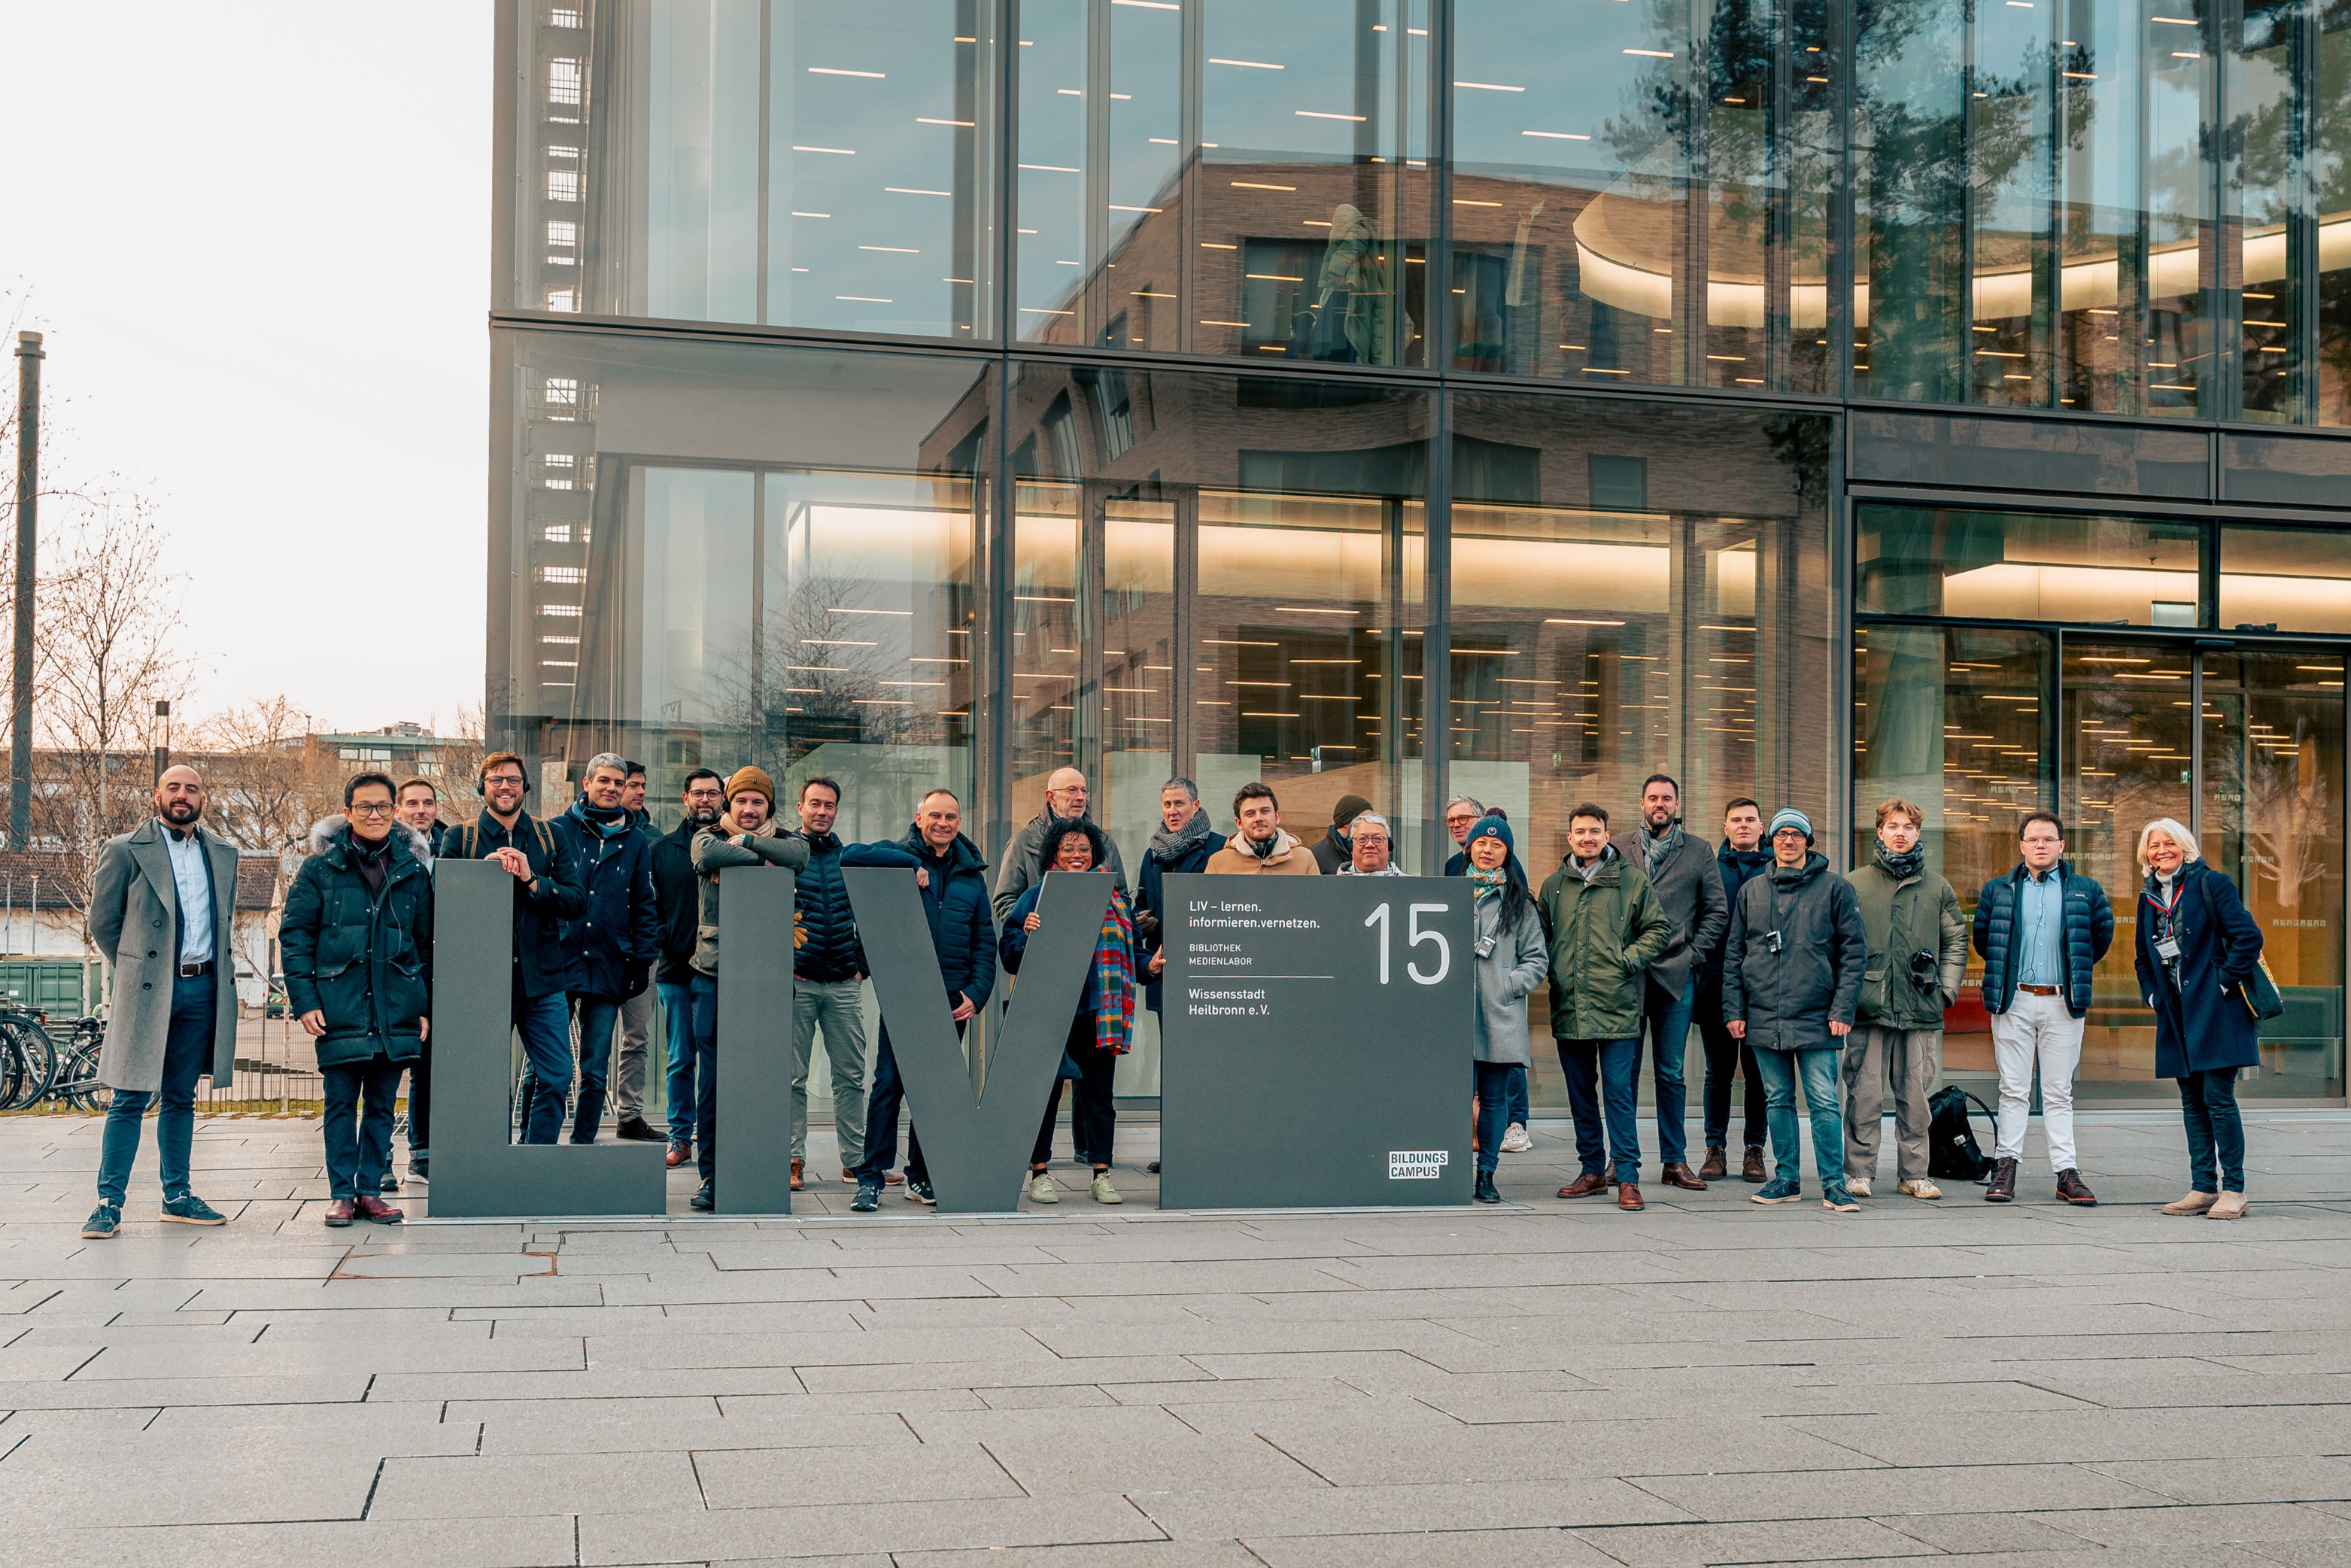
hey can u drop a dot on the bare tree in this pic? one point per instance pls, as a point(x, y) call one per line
point(266, 793)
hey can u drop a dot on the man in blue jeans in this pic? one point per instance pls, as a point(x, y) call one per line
point(547, 893)
point(1791, 973)
point(160, 912)
point(1689, 890)
point(677, 902)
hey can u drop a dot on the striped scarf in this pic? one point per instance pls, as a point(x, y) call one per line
point(1114, 979)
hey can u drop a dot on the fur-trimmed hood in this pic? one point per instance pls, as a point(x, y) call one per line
point(327, 829)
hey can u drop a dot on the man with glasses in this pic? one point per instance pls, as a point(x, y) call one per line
point(1368, 847)
point(547, 893)
point(611, 946)
point(1461, 814)
point(677, 905)
point(1066, 797)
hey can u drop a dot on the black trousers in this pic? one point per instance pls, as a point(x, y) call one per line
point(1725, 1055)
point(420, 1103)
point(1093, 1114)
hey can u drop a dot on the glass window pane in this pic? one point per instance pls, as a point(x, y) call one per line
point(2023, 566)
point(2263, 70)
point(2331, 179)
point(645, 187)
point(1226, 177)
point(1610, 178)
point(1951, 720)
point(2285, 580)
point(725, 554)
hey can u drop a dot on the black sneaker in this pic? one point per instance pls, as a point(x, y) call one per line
point(416, 1165)
point(868, 1198)
point(704, 1199)
point(103, 1222)
point(1153, 1168)
point(633, 1130)
point(920, 1192)
point(192, 1210)
point(391, 1183)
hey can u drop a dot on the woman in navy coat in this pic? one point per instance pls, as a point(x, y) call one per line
point(2197, 943)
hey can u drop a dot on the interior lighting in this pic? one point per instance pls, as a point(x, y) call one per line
point(1499, 87)
point(1558, 135)
point(840, 72)
point(837, 152)
point(1245, 65)
point(1321, 114)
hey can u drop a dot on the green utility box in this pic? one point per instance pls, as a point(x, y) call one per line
point(61, 988)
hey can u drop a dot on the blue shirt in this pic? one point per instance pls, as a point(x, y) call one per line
point(2040, 929)
point(194, 884)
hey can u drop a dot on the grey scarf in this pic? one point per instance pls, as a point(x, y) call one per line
point(1655, 848)
point(1167, 848)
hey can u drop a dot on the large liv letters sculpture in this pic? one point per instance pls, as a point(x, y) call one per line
point(755, 1041)
point(477, 1172)
point(976, 1152)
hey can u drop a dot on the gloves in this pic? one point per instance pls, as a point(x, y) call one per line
point(635, 976)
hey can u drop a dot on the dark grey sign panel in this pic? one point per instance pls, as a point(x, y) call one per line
point(754, 1042)
point(1315, 1041)
point(977, 1154)
point(476, 1173)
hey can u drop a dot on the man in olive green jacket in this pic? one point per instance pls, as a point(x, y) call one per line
point(1918, 957)
point(1606, 929)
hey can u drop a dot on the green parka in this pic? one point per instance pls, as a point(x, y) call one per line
point(1604, 934)
point(1918, 914)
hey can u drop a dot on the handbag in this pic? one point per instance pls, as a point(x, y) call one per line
point(1952, 1152)
point(2258, 990)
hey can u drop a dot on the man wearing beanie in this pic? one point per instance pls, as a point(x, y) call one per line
point(746, 835)
point(1337, 849)
point(1792, 974)
point(1917, 956)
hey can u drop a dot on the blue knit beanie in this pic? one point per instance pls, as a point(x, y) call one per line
point(1789, 817)
point(1490, 828)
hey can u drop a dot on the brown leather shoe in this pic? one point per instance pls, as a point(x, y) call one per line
point(1717, 1165)
point(795, 1174)
point(338, 1213)
point(2002, 1189)
point(1680, 1174)
point(2070, 1188)
point(1628, 1197)
point(678, 1154)
point(1585, 1186)
point(1751, 1168)
point(375, 1210)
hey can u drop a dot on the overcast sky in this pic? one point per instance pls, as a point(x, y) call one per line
point(257, 239)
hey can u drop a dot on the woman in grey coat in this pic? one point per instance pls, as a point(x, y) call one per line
point(1512, 958)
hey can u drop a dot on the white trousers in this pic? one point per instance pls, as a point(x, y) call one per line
point(2037, 1028)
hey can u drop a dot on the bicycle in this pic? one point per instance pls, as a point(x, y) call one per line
point(28, 1058)
point(76, 1086)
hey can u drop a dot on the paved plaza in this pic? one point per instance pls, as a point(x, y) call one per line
point(1545, 1384)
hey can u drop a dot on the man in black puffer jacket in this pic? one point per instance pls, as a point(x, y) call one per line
point(827, 982)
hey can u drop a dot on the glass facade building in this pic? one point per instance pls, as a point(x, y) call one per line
point(1817, 399)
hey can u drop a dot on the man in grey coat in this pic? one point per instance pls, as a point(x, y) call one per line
point(160, 909)
point(1683, 871)
point(1023, 864)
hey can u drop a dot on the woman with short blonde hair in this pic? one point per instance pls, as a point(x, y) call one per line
point(2197, 943)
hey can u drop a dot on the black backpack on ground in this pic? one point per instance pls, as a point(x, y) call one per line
point(1952, 1152)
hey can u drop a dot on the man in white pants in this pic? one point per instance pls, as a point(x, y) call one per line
point(2041, 930)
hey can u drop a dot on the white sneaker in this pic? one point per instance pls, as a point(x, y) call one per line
point(1515, 1141)
point(1041, 1190)
point(1857, 1185)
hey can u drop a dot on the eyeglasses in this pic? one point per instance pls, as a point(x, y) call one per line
point(514, 778)
point(379, 809)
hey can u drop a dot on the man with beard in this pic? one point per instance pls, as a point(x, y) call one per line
point(1261, 848)
point(159, 911)
point(1066, 797)
point(1918, 957)
point(609, 950)
point(827, 982)
point(1682, 871)
point(676, 910)
point(1741, 857)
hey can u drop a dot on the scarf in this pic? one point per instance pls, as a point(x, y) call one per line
point(727, 827)
point(1906, 865)
point(1607, 852)
point(1485, 884)
point(1656, 847)
point(1168, 848)
point(1273, 846)
point(372, 861)
point(1114, 977)
point(605, 822)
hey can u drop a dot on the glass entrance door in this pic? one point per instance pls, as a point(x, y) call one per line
point(2260, 782)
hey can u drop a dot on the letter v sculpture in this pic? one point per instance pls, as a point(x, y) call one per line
point(976, 1150)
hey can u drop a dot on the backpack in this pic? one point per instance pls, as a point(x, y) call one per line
point(1952, 1152)
point(469, 839)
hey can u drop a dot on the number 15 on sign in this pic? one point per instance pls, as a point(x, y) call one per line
point(1381, 917)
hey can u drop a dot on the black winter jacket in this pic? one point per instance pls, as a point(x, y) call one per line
point(2089, 931)
point(677, 904)
point(824, 932)
point(963, 925)
point(1739, 867)
point(1151, 907)
point(1789, 998)
point(541, 911)
point(609, 949)
point(364, 961)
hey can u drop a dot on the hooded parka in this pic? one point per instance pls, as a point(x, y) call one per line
point(1790, 997)
point(1604, 934)
point(1915, 914)
point(364, 960)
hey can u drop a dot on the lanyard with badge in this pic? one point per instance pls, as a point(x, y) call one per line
point(2166, 943)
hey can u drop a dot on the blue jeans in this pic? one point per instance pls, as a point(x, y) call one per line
point(677, 1027)
point(358, 1141)
point(1493, 1108)
point(544, 1025)
point(704, 993)
point(1818, 1071)
point(1617, 1065)
point(1667, 1019)
point(2216, 1133)
point(883, 1096)
point(599, 1017)
point(1516, 1097)
point(187, 1052)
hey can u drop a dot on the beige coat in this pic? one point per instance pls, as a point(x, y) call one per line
point(1289, 858)
point(134, 909)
